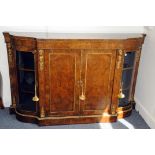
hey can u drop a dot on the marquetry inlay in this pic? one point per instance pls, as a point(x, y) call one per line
point(41, 59)
point(119, 62)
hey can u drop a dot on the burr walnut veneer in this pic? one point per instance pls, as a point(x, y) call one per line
point(70, 81)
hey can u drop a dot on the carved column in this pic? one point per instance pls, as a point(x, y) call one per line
point(41, 83)
point(117, 81)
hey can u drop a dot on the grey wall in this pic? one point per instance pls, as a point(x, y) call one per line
point(145, 88)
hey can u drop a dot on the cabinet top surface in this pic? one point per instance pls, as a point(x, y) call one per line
point(30, 41)
point(40, 35)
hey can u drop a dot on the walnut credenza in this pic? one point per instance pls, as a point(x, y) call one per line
point(70, 81)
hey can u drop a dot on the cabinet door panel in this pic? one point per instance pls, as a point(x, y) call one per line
point(97, 74)
point(62, 73)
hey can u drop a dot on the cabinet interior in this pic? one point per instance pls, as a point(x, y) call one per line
point(127, 76)
point(26, 80)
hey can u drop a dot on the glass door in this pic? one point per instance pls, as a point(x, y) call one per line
point(127, 76)
point(26, 80)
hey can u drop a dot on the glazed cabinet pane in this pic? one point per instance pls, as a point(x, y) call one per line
point(26, 80)
point(97, 75)
point(62, 68)
point(25, 60)
point(127, 77)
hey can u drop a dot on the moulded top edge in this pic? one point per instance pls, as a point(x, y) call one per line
point(41, 35)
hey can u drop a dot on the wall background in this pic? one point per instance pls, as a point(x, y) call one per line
point(144, 94)
point(145, 87)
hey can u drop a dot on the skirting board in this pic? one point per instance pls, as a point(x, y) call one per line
point(145, 114)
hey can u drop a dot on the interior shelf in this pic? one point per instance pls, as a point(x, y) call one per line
point(26, 69)
point(126, 88)
point(127, 68)
point(27, 92)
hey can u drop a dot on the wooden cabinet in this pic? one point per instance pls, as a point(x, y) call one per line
point(68, 81)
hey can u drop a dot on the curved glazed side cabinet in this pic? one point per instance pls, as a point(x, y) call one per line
point(71, 81)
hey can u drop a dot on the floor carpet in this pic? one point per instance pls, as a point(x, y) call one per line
point(135, 121)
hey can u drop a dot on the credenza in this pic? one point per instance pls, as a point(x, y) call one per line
point(72, 81)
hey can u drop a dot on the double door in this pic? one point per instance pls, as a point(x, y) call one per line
point(78, 82)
